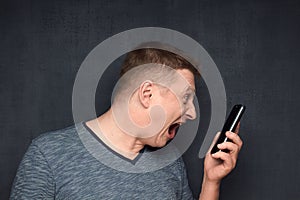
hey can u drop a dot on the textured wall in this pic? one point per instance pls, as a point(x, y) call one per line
point(255, 45)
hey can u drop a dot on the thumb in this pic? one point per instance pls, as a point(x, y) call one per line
point(213, 142)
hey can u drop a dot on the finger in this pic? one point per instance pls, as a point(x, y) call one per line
point(238, 128)
point(228, 161)
point(213, 142)
point(235, 138)
point(233, 148)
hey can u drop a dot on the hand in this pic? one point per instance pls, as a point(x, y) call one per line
point(220, 164)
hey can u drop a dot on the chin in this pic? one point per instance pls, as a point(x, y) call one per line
point(162, 145)
point(164, 141)
point(165, 138)
point(159, 144)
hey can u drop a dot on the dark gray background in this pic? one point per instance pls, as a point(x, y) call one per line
point(255, 45)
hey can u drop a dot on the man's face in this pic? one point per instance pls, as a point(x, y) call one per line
point(177, 102)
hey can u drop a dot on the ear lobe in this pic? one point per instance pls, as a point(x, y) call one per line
point(145, 93)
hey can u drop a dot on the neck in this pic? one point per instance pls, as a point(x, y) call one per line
point(108, 131)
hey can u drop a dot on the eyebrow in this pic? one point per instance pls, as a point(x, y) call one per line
point(190, 88)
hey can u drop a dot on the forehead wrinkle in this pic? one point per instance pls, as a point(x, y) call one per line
point(188, 77)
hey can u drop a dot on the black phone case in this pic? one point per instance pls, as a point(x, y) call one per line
point(230, 125)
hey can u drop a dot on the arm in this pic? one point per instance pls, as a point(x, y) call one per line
point(219, 165)
point(34, 179)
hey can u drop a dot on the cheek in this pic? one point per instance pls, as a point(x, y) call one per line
point(172, 113)
point(175, 107)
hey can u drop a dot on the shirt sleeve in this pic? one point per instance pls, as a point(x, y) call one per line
point(186, 193)
point(34, 178)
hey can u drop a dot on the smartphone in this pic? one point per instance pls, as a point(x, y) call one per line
point(230, 125)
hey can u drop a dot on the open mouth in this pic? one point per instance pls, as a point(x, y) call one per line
point(173, 130)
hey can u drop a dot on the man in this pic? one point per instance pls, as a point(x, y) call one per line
point(111, 157)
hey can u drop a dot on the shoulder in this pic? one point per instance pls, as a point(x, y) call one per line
point(55, 135)
point(53, 141)
point(59, 146)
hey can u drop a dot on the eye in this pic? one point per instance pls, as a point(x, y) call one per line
point(186, 98)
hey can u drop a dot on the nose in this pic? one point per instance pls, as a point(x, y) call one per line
point(191, 112)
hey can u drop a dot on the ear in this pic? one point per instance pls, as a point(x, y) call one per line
point(145, 93)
